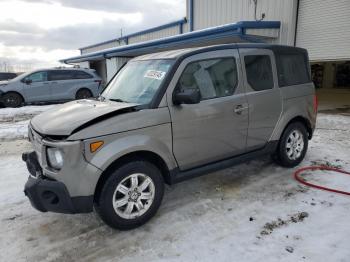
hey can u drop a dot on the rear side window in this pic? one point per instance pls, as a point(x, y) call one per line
point(213, 77)
point(292, 69)
point(82, 75)
point(259, 72)
point(56, 75)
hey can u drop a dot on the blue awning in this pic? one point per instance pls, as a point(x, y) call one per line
point(229, 33)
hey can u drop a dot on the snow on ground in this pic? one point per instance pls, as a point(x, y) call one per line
point(21, 113)
point(252, 212)
point(14, 121)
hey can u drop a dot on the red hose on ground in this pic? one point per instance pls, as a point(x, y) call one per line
point(299, 171)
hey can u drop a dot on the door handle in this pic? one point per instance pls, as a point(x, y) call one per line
point(239, 109)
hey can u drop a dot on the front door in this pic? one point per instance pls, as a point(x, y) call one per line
point(37, 87)
point(216, 128)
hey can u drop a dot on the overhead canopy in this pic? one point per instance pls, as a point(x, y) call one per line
point(230, 33)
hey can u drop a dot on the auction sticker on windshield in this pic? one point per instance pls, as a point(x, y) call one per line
point(155, 74)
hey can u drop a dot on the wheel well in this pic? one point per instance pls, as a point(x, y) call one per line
point(139, 155)
point(304, 121)
point(82, 88)
point(15, 92)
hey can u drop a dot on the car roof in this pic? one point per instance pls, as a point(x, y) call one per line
point(61, 68)
point(88, 70)
point(180, 53)
point(67, 68)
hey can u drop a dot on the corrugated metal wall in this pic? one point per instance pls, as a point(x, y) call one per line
point(209, 13)
point(101, 47)
point(101, 69)
point(174, 30)
point(185, 28)
point(324, 29)
point(271, 33)
point(85, 64)
point(113, 66)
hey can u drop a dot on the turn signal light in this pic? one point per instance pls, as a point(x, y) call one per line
point(95, 146)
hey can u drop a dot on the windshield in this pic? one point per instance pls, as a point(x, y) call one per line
point(138, 81)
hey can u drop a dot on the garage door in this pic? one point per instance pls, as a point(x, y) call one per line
point(324, 29)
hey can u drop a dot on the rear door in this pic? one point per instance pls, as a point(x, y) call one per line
point(216, 128)
point(263, 94)
point(88, 80)
point(38, 90)
point(62, 84)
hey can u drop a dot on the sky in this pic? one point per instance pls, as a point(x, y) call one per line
point(37, 33)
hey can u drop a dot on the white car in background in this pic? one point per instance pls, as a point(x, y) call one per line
point(50, 85)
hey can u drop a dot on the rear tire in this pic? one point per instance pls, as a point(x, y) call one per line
point(131, 195)
point(292, 145)
point(12, 99)
point(83, 94)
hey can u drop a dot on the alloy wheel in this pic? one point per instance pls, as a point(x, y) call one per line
point(294, 145)
point(133, 196)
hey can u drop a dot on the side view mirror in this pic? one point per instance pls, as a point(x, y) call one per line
point(28, 81)
point(187, 96)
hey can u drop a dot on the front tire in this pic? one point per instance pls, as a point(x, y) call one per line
point(131, 195)
point(292, 145)
point(12, 99)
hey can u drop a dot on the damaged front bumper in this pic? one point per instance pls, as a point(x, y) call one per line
point(46, 194)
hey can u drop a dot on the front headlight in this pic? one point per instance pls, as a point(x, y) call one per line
point(55, 158)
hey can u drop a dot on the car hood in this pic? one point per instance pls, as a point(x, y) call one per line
point(68, 118)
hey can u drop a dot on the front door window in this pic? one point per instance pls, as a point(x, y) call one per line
point(213, 77)
point(37, 77)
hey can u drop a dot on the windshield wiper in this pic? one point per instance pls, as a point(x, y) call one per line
point(118, 100)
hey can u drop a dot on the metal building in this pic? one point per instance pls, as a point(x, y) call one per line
point(321, 26)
